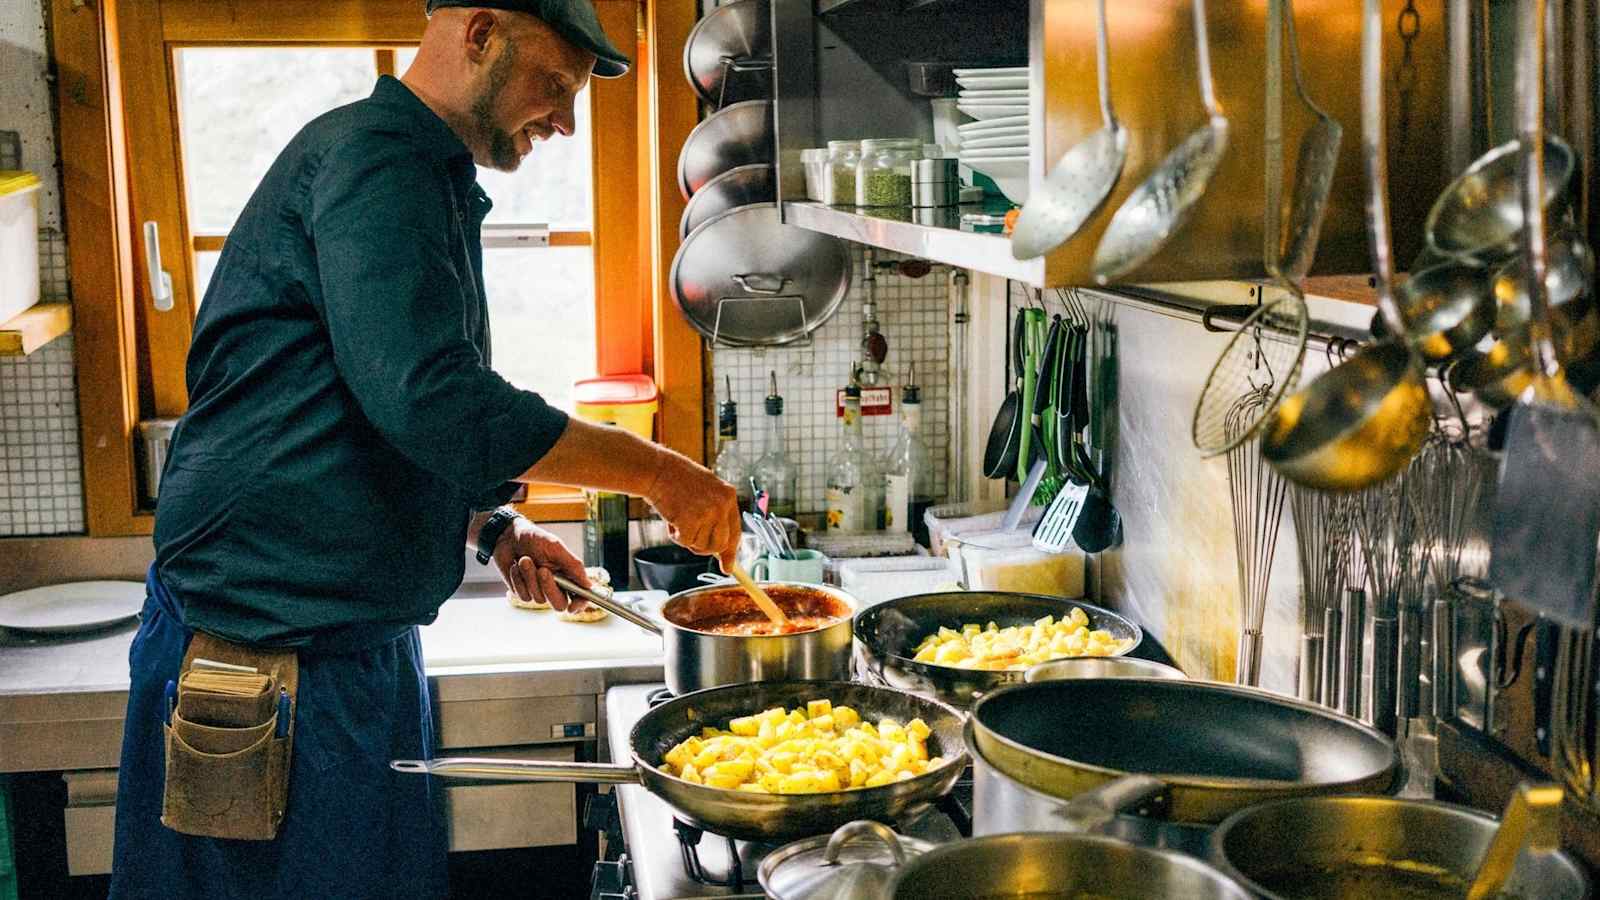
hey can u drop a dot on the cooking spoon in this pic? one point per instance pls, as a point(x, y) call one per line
point(1160, 206)
point(765, 603)
point(1569, 275)
point(1363, 420)
point(1318, 158)
point(1082, 178)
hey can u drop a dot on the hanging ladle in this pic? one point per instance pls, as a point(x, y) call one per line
point(1082, 178)
point(1363, 420)
point(1158, 208)
point(1318, 158)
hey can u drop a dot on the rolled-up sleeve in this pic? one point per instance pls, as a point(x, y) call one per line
point(396, 311)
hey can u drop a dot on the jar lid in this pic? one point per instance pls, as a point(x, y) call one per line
point(814, 154)
point(844, 145)
point(932, 151)
point(860, 859)
point(891, 144)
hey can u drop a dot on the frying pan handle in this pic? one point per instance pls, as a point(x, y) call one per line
point(518, 770)
point(603, 598)
point(1088, 811)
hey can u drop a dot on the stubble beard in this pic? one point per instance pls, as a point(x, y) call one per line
point(502, 146)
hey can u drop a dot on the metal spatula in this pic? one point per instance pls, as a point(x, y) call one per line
point(1547, 509)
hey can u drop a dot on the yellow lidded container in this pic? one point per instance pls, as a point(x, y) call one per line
point(627, 401)
point(19, 242)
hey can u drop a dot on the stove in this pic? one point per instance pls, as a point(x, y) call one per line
point(665, 858)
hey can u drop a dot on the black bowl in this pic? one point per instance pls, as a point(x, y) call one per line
point(671, 568)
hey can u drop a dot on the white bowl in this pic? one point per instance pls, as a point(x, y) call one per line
point(993, 153)
point(999, 70)
point(971, 129)
point(983, 111)
point(988, 96)
point(1010, 174)
point(992, 81)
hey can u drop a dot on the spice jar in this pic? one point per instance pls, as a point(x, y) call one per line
point(935, 182)
point(840, 189)
point(883, 177)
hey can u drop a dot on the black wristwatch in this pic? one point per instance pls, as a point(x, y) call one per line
point(493, 527)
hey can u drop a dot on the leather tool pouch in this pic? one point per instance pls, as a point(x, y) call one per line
point(228, 751)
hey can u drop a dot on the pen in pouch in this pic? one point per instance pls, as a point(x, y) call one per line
point(169, 701)
point(283, 712)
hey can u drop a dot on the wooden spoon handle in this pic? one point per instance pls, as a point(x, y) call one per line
point(759, 596)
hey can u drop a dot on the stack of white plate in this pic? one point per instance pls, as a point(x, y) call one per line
point(996, 144)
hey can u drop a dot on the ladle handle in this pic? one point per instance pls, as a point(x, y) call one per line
point(1374, 146)
point(1533, 820)
point(608, 602)
point(1102, 64)
point(1530, 127)
point(1272, 220)
point(1202, 48)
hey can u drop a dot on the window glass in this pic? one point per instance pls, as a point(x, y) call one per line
point(239, 106)
point(205, 262)
point(552, 186)
point(541, 317)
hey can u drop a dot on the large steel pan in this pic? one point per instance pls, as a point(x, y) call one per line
point(758, 817)
point(887, 634)
point(1213, 748)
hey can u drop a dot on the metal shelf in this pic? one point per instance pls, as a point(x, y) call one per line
point(983, 252)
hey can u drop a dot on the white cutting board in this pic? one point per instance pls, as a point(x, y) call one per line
point(481, 629)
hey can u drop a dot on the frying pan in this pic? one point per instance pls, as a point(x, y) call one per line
point(887, 634)
point(1209, 749)
point(1005, 436)
point(737, 814)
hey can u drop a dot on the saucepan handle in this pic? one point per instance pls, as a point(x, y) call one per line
point(1093, 809)
point(603, 598)
point(518, 770)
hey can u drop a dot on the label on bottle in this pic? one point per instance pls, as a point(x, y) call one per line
point(844, 508)
point(897, 503)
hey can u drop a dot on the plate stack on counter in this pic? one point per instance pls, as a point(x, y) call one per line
point(740, 277)
point(997, 143)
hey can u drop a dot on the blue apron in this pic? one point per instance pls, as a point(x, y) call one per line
point(354, 828)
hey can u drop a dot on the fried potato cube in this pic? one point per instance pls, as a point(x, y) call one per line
point(679, 756)
point(691, 774)
point(783, 762)
point(823, 724)
point(815, 708)
point(753, 788)
point(723, 781)
point(879, 778)
point(706, 757)
point(738, 768)
point(747, 726)
point(889, 729)
point(845, 717)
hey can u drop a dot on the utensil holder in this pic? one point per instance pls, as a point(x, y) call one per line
point(1350, 652)
point(1385, 675)
point(1332, 642)
point(1308, 686)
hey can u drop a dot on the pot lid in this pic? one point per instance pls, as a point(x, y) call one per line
point(739, 186)
point(736, 135)
point(860, 859)
point(744, 279)
point(728, 56)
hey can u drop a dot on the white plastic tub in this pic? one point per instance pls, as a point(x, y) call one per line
point(19, 242)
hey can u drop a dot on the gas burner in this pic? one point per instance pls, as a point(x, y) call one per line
point(658, 696)
point(688, 845)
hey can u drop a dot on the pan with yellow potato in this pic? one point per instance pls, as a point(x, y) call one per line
point(957, 646)
point(691, 752)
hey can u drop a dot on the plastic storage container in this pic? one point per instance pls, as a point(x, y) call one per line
point(815, 162)
point(19, 242)
point(627, 401)
point(1008, 561)
point(873, 581)
point(974, 516)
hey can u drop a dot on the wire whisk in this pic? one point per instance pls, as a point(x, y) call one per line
point(1323, 534)
point(1257, 493)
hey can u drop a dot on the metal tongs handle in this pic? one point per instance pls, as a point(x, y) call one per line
point(603, 597)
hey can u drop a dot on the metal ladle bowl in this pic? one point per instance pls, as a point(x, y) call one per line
point(1499, 375)
point(1479, 215)
point(1447, 308)
point(1356, 425)
point(1568, 277)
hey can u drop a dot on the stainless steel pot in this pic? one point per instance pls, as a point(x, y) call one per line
point(1101, 667)
point(696, 659)
point(1317, 847)
point(887, 635)
point(1059, 865)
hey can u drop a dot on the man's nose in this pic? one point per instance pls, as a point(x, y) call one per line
point(564, 121)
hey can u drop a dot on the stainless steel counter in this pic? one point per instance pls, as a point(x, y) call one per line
point(62, 700)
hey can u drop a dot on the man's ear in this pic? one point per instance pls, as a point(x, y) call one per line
point(481, 27)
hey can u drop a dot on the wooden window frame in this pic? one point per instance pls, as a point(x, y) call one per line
point(130, 356)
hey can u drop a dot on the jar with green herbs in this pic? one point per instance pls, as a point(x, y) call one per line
point(883, 177)
point(842, 158)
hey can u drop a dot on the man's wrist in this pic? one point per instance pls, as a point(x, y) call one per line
point(493, 528)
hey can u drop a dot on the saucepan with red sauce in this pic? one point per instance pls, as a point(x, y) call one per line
point(716, 635)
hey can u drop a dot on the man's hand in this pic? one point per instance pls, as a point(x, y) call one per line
point(702, 510)
point(530, 557)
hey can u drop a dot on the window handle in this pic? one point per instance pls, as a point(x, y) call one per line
point(160, 281)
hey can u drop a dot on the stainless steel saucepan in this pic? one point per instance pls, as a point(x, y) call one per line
point(741, 814)
point(696, 659)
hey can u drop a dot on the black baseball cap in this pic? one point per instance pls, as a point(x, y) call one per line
point(572, 19)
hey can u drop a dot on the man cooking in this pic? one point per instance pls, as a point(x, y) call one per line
point(345, 438)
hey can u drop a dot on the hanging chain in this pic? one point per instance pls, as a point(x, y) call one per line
point(1408, 25)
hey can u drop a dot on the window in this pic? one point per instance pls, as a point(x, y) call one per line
point(202, 96)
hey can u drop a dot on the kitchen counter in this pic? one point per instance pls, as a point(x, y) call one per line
point(62, 700)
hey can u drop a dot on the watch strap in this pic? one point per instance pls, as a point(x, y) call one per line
point(493, 527)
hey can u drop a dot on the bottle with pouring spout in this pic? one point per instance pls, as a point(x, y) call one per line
point(908, 477)
point(854, 487)
point(731, 466)
point(774, 472)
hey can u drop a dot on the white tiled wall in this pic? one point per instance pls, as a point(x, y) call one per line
point(913, 314)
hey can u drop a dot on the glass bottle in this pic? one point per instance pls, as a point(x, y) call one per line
point(774, 472)
point(731, 465)
point(854, 495)
point(908, 478)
